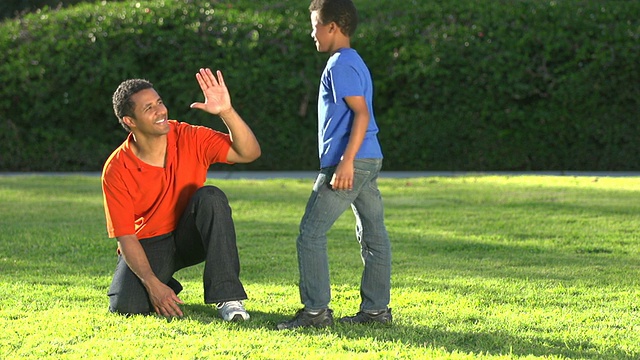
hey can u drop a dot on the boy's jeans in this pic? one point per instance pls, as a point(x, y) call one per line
point(324, 207)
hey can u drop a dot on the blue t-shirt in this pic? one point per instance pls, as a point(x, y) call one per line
point(345, 74)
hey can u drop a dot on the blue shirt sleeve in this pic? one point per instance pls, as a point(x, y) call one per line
point(346, 82)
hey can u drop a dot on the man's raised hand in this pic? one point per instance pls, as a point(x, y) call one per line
point(216, 95)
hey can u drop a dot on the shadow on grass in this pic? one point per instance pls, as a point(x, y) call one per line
point(490, 343)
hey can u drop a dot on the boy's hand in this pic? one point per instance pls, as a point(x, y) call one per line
point(343, 176)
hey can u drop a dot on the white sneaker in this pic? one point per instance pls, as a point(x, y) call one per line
point(233, 311)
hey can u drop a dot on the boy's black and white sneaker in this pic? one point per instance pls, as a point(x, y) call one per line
point(364, 317)
point(305, 319)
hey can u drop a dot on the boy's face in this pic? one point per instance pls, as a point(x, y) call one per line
point(321, 34)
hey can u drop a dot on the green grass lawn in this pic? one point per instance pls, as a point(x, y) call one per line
point(484, 267)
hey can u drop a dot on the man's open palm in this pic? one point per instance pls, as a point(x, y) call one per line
point(216, 94)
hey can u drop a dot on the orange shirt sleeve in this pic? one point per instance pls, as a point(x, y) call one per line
point(118, 204)
point(213, 145)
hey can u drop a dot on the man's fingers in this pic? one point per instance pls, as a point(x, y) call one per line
point(220, 78)
point(175, 310)
point(167, 305)
point(172, 305)
point(206, 77)
point(171, 308)
point(212, 78)
point(197, 105)
point(201, 82)
point(177, 300)
point(160, 310)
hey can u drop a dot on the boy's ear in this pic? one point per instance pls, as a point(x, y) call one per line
point(333, 27)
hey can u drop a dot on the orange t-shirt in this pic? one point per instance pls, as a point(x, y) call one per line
point(148, 201)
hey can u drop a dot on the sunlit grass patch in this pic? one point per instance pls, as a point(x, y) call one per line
point(491, 267)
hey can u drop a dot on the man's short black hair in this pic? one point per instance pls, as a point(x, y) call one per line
point(122, 103)
point(342, 12)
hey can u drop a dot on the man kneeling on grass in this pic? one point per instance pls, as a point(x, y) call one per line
point(158, 208)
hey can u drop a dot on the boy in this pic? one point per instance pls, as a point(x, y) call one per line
point(350, 161)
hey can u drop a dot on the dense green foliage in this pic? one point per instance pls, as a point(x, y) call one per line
point(460, 85)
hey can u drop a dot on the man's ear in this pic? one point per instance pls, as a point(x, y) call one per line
point(128, 120)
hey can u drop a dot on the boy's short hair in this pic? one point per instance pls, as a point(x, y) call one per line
point(342, 12)
point(122, 103)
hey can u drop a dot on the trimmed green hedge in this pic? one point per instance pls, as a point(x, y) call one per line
point(460, 85)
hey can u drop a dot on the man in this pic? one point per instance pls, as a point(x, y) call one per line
point(158, 208)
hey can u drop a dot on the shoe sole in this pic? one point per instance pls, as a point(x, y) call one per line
point(365, 322)
point(303, 327)
point(238, 318)
point(351, 322)
point(309, 326)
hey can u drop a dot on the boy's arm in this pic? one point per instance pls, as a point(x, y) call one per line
point(163, 298)
point(343, 177)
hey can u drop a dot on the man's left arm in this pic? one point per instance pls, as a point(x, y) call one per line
point(244, 145)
